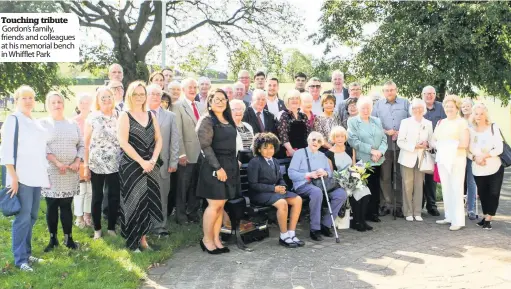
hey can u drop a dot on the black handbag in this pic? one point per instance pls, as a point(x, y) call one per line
point(330, 183)
point(11, 206)
point(505, 156)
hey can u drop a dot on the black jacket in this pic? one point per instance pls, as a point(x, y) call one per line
point(261, 177)
point(270, 123)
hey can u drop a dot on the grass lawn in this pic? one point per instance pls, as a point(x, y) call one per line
point(101, 264)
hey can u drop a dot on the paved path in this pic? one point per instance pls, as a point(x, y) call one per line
point(397, 254)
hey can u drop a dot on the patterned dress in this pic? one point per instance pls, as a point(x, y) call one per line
point(104, 150)
point(140, 193)
point(66, 143)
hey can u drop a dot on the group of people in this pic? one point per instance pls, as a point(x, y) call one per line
point(155, 150)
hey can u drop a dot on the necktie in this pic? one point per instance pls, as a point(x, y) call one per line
point(195, 111)
point(260, 122)
point(270, 162)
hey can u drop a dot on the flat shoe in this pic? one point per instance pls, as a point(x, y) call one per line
point(454, 228)
point(286, 244)
point(418, 219)
point(443, 222)
point(409, 219)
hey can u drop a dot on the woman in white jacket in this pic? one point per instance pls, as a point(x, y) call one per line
point(414, 136)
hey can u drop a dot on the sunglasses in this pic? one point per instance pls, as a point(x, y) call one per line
point(317, 140)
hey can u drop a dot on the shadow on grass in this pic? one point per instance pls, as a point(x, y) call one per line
point(97, 264)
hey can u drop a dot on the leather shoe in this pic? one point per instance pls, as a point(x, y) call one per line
point(383, 211)
point(359, 227)
point(286, 244)
point(367, 227)
point(399, 213)
point(374, 218)
point(434, 212)
point(316, 235)
point(326, 231)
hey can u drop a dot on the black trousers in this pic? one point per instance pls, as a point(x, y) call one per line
point(187, 204)
point(488, 188)
point(172, 194)
point(111, 184)
point(66, 215)
point(373, 183)
point(359, 208)
point(429, 189)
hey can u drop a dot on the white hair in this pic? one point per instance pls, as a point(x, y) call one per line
point(203, 79)
point(258, 92)
point(418, 102)
point(335, 72)
point(187, 81)
point(152, 87)
point(234, 102)
point(305, 95)
point(242, 72)
point(428, 87)
point(291, 94)
point(316, 135)
point(174, 84)
point(82, 96)
point(363, 101)
point(113, 66)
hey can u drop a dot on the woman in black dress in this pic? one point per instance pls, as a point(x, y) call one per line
point(219, 176)
point(293, 127)
point(140, 140)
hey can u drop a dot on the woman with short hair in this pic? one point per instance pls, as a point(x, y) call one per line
point(26, 174)
point(64, 152)
point(245, 136)
point(366, 136)
point(293, 127)
point(451, 140)
point(486, 144)
point(83, 201)
point(414, 136)
point(323, 123)
point(101, 158)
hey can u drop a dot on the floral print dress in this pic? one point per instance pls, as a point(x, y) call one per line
point(104, 150)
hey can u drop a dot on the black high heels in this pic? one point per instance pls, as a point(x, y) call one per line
point(213, 252)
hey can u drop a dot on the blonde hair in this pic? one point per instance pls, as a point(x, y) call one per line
point(485, 112)
point(48, 97)
point(454, 99)
point(23, 90)
point(327, 96)
point(97, 101)
point(337, 131)
point(291, 94)
point(131, 90)
point(466, 100)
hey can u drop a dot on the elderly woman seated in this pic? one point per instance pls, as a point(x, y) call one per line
point(306, 165)
point(245, 131)
point(267, 187)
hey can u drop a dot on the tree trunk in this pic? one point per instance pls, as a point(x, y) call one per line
point(440, 94)
point(133, 64)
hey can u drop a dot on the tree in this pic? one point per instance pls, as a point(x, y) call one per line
point(42, 77)
point(199, 59)
point(458, 46)
point(246, 56)
point(297, 62)
point(135, 27)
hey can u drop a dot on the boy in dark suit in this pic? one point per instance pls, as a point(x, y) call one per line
point(267, 187)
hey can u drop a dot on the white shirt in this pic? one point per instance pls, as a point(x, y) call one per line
point(273, 106)
point(486, 142)
point(261, 116)
point(31, 163)
point(191, 107)
point(317, 109)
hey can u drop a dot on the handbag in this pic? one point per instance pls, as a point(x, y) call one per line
point(436, 175)
point(505, 156)
point(427, 164)
point(330, 183)
point(11, 206)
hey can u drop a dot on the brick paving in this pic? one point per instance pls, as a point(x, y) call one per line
point(396, 254)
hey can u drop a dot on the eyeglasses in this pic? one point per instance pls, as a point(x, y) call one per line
point(236, 109)
point(315, 86)
point(219, 100)
point(106, 97)
point(155, 93)
point(139, 95)
point(356, 89)
point(118, 88)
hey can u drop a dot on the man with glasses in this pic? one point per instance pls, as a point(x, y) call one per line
point(257, 116)
point(188, 112)
point(391, 111)
point(314, 86)
point(118, 90)
point(355, 90)
point(169, 152)
point(300, 80)
point(338, 90)
point(435, 112)
point(244, 77)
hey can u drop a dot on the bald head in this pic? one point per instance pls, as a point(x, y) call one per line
point(115, 72)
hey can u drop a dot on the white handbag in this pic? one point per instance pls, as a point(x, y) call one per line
point(427, 163)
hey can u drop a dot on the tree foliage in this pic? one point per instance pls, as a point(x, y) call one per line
point(42, 77)
point(199, 59)
point(296, 62)
point(458, 46)
point(247, 56)
point(135, 26)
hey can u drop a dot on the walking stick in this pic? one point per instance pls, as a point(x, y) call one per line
point(337, 240)
point(395, 177)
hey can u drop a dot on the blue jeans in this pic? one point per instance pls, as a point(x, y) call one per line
point(24, 222)
point(470, 187)
point(337, 198)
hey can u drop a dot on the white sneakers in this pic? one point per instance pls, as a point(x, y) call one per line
point(454, 228)
point(409, 219)
point(25, 267)
point(33, 259)
point(443, 222)
point(418, 219)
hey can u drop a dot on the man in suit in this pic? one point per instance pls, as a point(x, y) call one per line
point(338, 90)
point(204, 87)
point(187, 113)
point(273, 103)
point(355, 90)
point(169, 151)
point(239, 93)
point(117, 88)
point(259, 118)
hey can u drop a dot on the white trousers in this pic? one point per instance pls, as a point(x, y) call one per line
point(452, 190)
point(83, 201)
